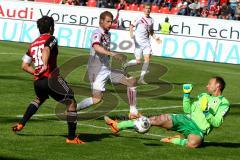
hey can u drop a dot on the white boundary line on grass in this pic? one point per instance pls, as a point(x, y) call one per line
point(129, 131)
point(10, 53)
point(123, 110)
point(105, 128)
point(113, 111)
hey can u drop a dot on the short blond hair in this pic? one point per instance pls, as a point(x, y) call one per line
point(147, 4)
point(105, 14)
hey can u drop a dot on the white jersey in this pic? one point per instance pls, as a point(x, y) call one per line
point(103, 39)
point(143, 25)
point(98, 65)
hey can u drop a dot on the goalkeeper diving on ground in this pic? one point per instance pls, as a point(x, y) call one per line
point(200, 117)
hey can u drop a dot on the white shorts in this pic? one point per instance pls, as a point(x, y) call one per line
point(142, 49)
point(98, 79)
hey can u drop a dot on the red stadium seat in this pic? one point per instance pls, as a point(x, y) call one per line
point(58, 1)
point(46, 1)
point(203, 3)
point(127, 7)
point(223, 1)
point(174, 10)
point(141, 7)
point(92, 3)
point(133, 7)
point(155, 8)
point(164, 10)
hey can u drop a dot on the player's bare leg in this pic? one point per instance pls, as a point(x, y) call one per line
point(144, 69)
point(132, 62)
point(194, 141)
point(87, 102)
point(163, 120)
point(31, 110)
point(130, 82)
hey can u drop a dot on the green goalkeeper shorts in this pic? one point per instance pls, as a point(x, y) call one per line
point(184, 125)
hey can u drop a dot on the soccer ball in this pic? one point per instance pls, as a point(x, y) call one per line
point(142, 124)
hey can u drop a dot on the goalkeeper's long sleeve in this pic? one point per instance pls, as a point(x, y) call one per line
point(187, 103)
point(207, 112)
point(217, 120)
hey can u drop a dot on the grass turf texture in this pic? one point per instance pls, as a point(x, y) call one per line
point(44, 137)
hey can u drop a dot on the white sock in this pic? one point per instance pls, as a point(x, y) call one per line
point(131, 63)
point(84, 103)
point(132, 93)
point(144, 70)
point(133, 110)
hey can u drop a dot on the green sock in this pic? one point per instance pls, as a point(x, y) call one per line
point(125, 124)
point(179, 141)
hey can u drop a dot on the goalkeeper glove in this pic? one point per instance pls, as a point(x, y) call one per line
point(187, 88)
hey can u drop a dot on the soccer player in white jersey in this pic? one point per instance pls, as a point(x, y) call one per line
point(99, 70)
point(143, 29)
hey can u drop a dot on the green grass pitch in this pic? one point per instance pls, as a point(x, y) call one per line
point(44, 136)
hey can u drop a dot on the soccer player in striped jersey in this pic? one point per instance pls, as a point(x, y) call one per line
point(99, 70)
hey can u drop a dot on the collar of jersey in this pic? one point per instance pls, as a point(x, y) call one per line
point(104, 32)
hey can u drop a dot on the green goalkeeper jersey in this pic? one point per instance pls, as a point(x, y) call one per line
point(207, 112)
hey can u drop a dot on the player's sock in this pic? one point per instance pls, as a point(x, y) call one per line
point(125, 124)
point(131, 63)
point(132, 92)
point(72, 130)
point(84, 103)
point(72, 124)
point(144, 70)
point(31, 110)
point(179, 141)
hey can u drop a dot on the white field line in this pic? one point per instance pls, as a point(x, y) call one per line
point(105, 128)
point(129, 131)
point(113, 111)
point(9, 53)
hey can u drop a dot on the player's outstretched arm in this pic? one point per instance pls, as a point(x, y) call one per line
point(187, 88)
point(157, 39)
point(98, 48)
point(131, 31)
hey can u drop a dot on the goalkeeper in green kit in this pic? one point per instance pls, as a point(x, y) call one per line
point(198, 120)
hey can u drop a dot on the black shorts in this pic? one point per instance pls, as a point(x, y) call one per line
point(55, 87)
